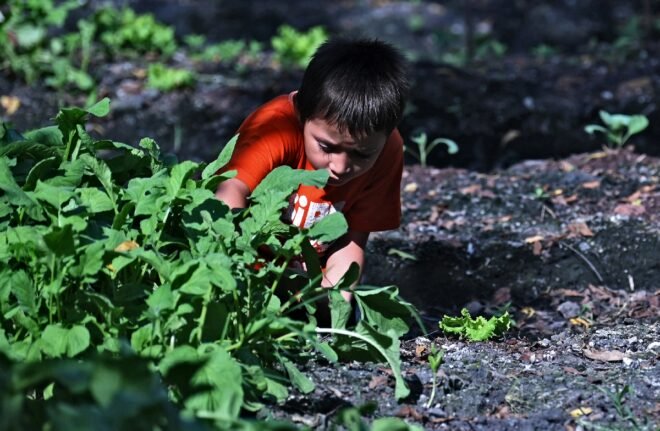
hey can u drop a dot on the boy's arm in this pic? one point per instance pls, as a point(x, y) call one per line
point(348, 249)
point(233, 192)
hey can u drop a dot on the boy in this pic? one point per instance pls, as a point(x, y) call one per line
point(343, 119)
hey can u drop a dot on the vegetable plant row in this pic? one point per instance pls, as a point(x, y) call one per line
point(130, 294)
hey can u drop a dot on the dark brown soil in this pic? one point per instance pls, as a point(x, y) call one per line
point(577, 266)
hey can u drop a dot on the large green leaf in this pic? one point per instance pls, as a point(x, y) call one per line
point(41, 171)
point(8, 184)
point(299, 380)
point(23, 289)
point(222, 159)
point(225, 398)
point(382, 308)
point(178, 176)
point(94, 199)
point(49, 136)
point(329, 228)
point(57, 340)
point(283, 180)
point(53, 195)
point(29, 149)
point(60, 240)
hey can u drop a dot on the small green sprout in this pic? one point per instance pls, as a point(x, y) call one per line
point(618, 127)
point(294, 48)
point(166, 78)
point(424, 148)
point(435, 359)
point(478, 329)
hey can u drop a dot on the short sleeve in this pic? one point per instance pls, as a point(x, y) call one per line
point(268, 138)
point(378, 205)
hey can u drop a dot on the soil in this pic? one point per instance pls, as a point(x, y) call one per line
point(531, 215)
point(577, 265)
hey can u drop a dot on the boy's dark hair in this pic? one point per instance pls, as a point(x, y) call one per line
point(358, 85)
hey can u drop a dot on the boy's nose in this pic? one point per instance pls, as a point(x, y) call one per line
point(339, 164)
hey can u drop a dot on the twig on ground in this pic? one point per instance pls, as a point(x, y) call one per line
point(584, 258)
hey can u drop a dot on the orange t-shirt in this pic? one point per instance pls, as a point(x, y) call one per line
point(272, 136)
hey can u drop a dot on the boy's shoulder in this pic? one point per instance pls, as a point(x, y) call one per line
point(278, 113)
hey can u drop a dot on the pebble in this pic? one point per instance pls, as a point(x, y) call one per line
point(653, 346)
point(437, 412)
point(569, 309)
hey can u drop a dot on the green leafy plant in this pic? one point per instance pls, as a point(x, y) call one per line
point(166, 78)
point(107, 248)
point(424, 148)
point(28, 49)
point(625, 414)
point(128, 32)
point(478, 329)
point(238, 53)
point(618, 128)
point(435, 359)
point(294, 48)
point(33, 46)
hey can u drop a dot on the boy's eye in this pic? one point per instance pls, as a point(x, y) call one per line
point(325, 147)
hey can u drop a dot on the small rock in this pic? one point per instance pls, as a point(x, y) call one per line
point(654, 346)
point(544, 342)
point(437, 412)
point(475, 308)
point(569, 309)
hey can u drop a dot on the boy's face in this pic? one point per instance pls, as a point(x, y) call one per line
point(341, 154)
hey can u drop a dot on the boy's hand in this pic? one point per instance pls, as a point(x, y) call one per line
point(347, 249)
point(233, 192)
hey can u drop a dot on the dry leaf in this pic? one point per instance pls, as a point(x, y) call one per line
point(10, 103)
point(528, 311)
point(127, 246)
point(509, 136)
point(581, 411)
point(378, 381)
point(579, 229)
point(591, 185)
point(537, 248)
point(410, 187)
point(470, 190)
point(408, 411)
point(532, 239)
point(140, 73)
point(502, 412)
point(566, 167)
point(420, 350)
point(604, 355)
point(629, 210)
point(579, 321)
point(597, 155)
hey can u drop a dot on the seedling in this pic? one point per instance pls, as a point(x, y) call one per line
point(166, 78)
point(424, 148)
point(478, 329)
point(618, 127)
point(618, 398)
point(294, 48)
point(435, 359)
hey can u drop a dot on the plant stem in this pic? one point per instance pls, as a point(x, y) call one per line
point(435, 383)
